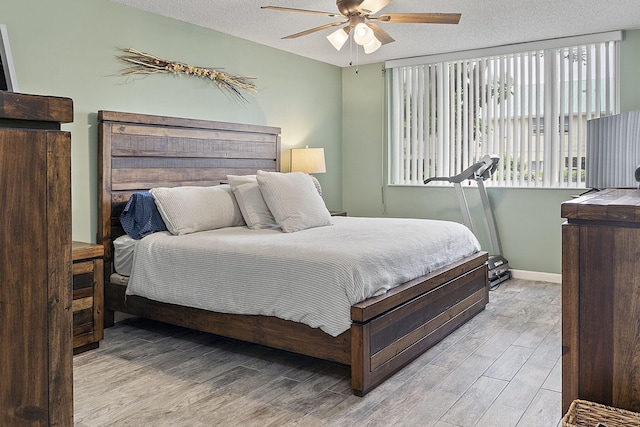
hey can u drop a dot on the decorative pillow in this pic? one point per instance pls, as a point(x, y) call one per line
point(293, 200)
point(252, 205)
point(189, 209)
point(140, 216)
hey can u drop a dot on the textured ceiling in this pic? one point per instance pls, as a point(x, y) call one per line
point(484, 23)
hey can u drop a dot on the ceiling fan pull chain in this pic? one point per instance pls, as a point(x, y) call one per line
point(350, 51)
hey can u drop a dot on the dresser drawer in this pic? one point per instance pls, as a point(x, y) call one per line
point(88, 301)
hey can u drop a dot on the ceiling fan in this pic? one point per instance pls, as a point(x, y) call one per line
point(359, 17)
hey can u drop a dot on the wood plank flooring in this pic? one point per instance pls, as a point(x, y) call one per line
point(501, 369)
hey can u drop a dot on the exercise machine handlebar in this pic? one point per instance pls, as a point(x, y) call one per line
point(482, 169)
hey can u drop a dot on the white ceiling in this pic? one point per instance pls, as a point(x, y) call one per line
point(484, 23)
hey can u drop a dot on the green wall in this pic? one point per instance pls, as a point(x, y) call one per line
point(529, 222)
point(69, 47)
point(629, 66)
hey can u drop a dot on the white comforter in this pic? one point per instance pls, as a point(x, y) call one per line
point(311, 276)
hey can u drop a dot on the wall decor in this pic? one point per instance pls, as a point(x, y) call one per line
point(144, 63)
point(7, 72)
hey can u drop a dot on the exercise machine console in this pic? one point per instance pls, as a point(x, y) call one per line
point(498, 265)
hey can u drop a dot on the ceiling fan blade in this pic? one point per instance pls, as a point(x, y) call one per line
point(370, 7)
point(419, 18)
point(288, 9)
point(382, 36)
point(313, 30)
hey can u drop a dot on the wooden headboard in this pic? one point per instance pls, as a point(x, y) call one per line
point(137, 152)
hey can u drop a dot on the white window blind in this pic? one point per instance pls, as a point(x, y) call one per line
point(529, 107)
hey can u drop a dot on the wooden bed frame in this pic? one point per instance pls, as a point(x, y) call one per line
point(138, 152)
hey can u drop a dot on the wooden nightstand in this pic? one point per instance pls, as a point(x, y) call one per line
point(338, 213)
point(88, 296)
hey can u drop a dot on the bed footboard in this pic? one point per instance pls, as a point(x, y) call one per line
point(388, 333)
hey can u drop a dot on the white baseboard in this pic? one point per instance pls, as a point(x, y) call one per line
point(536, 275)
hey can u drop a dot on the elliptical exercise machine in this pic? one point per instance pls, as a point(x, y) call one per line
point(481, 171)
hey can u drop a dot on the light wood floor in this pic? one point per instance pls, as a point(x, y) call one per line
point(500, 369)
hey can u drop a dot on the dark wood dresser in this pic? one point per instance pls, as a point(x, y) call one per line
point(36, 348)
point(601, 299)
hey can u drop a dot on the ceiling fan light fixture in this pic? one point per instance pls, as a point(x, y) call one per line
point(362, 34)
point(372, 46)
point(338, 38)
point(357, 14)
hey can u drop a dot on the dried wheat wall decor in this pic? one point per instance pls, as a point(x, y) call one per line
point(144, 63)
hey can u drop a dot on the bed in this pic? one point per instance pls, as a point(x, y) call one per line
point(138, 152)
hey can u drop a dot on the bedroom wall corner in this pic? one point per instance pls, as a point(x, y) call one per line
point(363, 139)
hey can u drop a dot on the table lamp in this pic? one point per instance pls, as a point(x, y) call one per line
point(308, 160)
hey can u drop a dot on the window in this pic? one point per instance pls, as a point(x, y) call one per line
point(529, 107)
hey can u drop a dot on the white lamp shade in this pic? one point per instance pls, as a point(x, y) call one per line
point(372, 46)
point(362, 34)
point(338, 38)
point(308, 160)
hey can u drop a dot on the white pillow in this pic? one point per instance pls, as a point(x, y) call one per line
point(293, 200)
point(252, 205)
point(189, 209)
